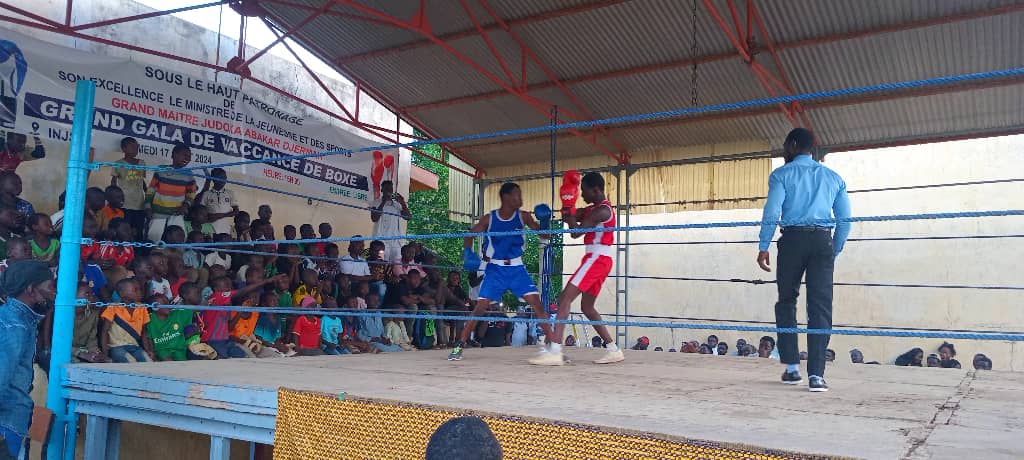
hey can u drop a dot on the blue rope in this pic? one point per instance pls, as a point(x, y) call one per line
point(813, 222)
point(724, 327)
point(1017, 71)
point(884, 238)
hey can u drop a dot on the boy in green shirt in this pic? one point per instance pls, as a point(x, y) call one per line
point(167, 331)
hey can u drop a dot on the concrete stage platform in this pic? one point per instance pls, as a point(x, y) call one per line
point(883, 412)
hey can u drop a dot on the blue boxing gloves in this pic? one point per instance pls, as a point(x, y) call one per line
point(470, 261)
point(543, 214)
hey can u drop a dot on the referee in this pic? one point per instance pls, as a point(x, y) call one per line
point(801, 194)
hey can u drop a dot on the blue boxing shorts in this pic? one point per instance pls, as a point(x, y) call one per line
point(501, 278)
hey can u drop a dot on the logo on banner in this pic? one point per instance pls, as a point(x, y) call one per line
point(13, 67)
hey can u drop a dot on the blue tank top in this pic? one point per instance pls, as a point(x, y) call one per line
point(504, 247)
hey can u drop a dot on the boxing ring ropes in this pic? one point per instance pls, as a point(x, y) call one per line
point(65, 417)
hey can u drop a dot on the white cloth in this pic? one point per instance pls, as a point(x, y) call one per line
point(57, 219)
point(160, 222)
point(389, 224)
point(354, 266)
point(520, 332)
point(162, 287)
point(215, 258)
point(219, 202)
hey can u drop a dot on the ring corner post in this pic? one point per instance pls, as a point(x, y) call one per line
point(67, 274)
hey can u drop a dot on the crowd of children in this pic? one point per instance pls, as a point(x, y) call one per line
point(307, 278)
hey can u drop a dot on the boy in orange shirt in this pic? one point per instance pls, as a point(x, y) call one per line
point(122, 329)
point(114, 208)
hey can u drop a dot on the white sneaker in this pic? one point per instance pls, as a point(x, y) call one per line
point(610, 357)
point(548, 358)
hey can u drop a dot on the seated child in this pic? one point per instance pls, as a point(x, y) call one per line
point(331, 330)
point(270, 326)
point(371, 328)
point(349, 337)
point(44, 246)
point(85, 345)
point(167, 330)
point(243, 324)
point(306, 332)
point(215, 257)
point(122, 331)
point(396, 333)
point(308, 288)
point(216, 327)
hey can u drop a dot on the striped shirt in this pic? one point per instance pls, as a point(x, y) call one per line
point(168, 190)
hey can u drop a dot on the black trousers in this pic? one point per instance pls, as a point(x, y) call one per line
point(800, 251)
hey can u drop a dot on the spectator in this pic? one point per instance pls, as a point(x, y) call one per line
point(95, 200)
point(16, 151)
point(166, 330)
point(519, 331)
point(371, 328)
point(133, 185)
point(672, 350)
point(713, 343)
point(306, 332)
point(308, 288)
point(10, 192)
point(58, 217)
point(830, 355)
point(723, 349)
point(353, 265)
point(705, 349)
point(270, 326)
point(387, 214)
point(331, 330)
point(265, 213)
point(741, 347)
point(946, 354)
point(690, 347)
point(856, 357)
point(170, 194)
point(45, 247)
point(463, 438)
point(85, 345)
point(158, 269)
point(982, 362)
point(216, 332)
point(596, 342)
point(659, 349)
point(220, 203)
point(497, 333)
point(413, 296)
point(216, 257)
point(113, 209)
point(913, 357)
point(326, 231)
point(289, 232)
point(766, 348)
point(570, 341)
point(8, 222)
point(122, 331)
point(199, 219)
point(934, 361)
point(349, 335)
point(396, 333)
point(642, 343)
point(240, 230)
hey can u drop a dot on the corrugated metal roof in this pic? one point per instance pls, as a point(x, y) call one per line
point(586, 40)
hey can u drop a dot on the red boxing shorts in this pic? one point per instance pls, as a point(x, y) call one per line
point(594, 269)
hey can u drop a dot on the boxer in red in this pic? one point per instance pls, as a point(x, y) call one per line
point(593, 270)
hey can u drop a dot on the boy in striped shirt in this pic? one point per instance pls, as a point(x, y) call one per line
point(170, 194)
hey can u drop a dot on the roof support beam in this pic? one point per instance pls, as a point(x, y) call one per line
point(534, 102)
point(280, 38)
point(470, 32)
point(1008, 9)
point(137, 17)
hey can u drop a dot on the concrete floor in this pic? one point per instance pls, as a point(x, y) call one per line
point(883, 412)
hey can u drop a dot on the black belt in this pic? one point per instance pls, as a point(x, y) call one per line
point(806, 229)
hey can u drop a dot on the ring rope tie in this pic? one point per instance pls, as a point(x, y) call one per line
point(1011, 72)
point(704, 225)
point(726, 327)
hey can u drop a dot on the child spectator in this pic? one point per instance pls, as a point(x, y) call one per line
point(265, 213)
point(380, 270)
point(216, 271)
point(191, 256)
point(308, 288)
point(406, 263)
point(325, 232)
point(352, 263)
point(311, 260)
point(158, 283)
point(17, 249)
point(330, 266)
point(395, 332)
point(114, 207)
point(914, 357)
point(241, 229)
point(167, 330)
point(982, 362)
point(216, 257)
point(306, 232)
point(946, 354)
point(289, 232)
point(85, 346)
point(95, 200)
point(216, 332)
point(8, 222)
point(170, 193)
point(122, 331)
point(413, 296)
point(255, 263)
point(179, 274)
point(331, 331)
point(45, 247)
point(58, 217)
point(10, 192)
point(371, 328)
point(220, 202)
point(243, 324)
point(349, 337)
point(306, 332)
point(199, 219)
point(92, 264)
point(270, 327)
point(119, 257)
point(15, 151)
point(284, 294)
point(133, 184)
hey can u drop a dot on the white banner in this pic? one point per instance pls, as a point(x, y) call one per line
point(161, 107)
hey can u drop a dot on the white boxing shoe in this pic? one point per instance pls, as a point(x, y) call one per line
point(610, 357)
point(547, 358)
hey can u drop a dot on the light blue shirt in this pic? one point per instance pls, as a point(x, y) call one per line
point(802, 192)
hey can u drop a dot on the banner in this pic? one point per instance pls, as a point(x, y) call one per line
point(161, 107)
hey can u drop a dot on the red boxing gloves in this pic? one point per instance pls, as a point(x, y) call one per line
point(570, 190)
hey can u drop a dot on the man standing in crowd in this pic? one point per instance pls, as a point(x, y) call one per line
point(387, 214)
point(30, 290)
point(803, 198)
point(220, 203)
point(170, 194)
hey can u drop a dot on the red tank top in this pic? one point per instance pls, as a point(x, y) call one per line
point(602, 238)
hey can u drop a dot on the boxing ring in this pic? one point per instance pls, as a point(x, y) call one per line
point(654, 405)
